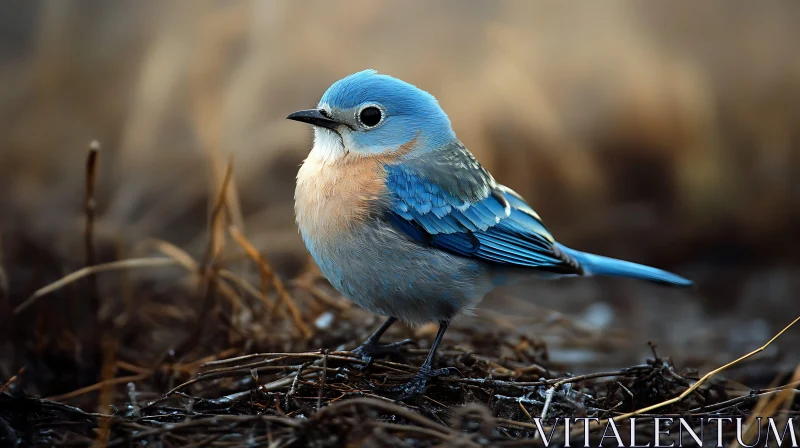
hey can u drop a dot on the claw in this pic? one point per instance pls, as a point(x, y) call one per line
point(404, 342)
point(420, 381)
point(368, 360)
point(449, 371)
point(368, 351)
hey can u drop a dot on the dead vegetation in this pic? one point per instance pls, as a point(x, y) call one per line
point(207, 389)
point(154, 293)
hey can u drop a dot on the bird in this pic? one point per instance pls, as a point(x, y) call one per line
point(403, 220)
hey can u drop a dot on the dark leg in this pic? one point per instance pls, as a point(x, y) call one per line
point(420, 380)
point(370, 348)
point(375, 337)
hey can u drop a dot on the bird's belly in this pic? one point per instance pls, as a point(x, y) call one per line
point(388, 274)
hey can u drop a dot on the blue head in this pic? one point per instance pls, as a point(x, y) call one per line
point(368, 113)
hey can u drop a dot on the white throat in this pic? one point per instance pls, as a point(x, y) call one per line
point(328, 145)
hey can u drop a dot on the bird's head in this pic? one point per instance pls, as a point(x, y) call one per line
point(371, 114)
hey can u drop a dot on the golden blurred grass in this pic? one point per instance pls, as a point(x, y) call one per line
point(602, 115)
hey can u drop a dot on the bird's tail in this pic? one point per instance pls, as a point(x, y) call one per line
point(599, 265)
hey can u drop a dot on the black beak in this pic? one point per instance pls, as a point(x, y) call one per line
point(316, 117)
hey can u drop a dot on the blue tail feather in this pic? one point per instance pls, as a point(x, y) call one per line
point(600, 265)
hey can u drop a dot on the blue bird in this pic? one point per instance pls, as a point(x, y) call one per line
point(403, 220)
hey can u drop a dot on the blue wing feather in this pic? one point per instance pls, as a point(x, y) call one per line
point(448, 201)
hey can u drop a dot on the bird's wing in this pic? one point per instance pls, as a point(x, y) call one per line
point(447, 200)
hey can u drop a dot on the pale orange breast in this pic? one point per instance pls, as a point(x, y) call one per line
point(332, 197)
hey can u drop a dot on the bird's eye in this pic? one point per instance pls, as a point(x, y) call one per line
point(370, 116)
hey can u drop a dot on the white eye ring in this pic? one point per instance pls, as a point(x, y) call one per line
point(381, 117)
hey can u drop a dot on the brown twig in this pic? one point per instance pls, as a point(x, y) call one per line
point(267, 272)
point(90, 208)
point(11, 380)
point(707, 376)
point(92, 270)
point(700, 382)
point(193, 267)
point(207, 269)
point(109, 345)
point(215, 243)
point(97, 386)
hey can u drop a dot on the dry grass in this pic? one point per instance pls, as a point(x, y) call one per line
point(665, 135)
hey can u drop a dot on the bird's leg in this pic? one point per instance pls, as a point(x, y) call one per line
point(370, 348)
point(426, 371)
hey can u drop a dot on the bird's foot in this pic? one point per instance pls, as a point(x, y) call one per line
point(420, 381)
point(369, 350)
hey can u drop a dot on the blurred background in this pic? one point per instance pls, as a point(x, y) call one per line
point(659, 133)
